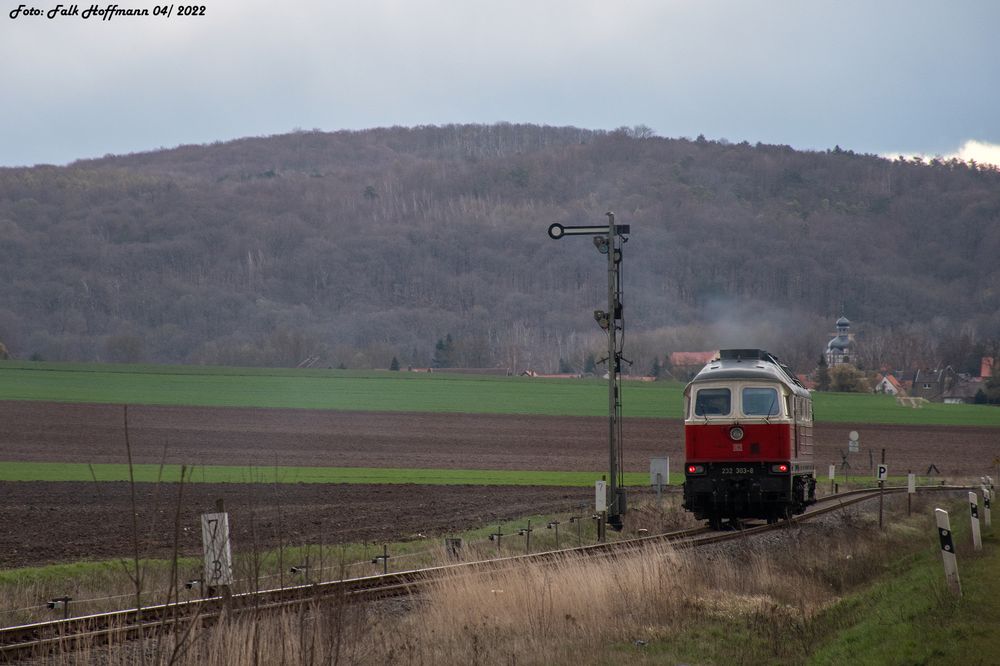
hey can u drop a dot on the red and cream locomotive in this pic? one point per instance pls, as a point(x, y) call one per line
point(747, 440)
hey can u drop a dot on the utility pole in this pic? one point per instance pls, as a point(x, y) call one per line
point(609, 240)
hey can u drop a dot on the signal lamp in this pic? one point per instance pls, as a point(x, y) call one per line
point(781, 468)
point(695, 469)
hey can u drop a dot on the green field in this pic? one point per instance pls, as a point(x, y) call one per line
point(34, 471)
point(145, 473)
point(411, 392)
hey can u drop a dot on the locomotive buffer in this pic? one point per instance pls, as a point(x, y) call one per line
point(608, 240)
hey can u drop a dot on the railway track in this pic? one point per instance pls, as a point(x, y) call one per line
point(67, 635)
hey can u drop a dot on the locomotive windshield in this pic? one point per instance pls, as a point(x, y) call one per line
point(713, 402)
point(761, 402)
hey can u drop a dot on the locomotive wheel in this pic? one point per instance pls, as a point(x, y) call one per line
point(715, 522)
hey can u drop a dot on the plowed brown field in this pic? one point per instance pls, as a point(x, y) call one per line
point(65, 522)
point(44, 522)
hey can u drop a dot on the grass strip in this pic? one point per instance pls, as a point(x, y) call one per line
point(437, 392)
point(148, 473)
point(910, 617)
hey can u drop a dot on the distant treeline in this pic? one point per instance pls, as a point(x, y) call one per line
point(357, 247)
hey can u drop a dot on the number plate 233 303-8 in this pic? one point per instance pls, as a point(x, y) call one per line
point(737, 470)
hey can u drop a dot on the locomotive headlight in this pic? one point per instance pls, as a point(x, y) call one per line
point(781, 468)
point(695, 469)
point(736, 433)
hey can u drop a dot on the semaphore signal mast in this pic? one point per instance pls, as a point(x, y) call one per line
point(608, 240)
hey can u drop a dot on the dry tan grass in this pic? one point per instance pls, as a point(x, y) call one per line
point(581, 611)
point(98, 587)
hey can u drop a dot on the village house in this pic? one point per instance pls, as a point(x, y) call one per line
point(945, 386)
point(889, 385)
point(685, 365)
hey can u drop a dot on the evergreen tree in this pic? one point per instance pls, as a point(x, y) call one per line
point(666, 370)
point(444, 352)
point(656, 368)
point(822, 375)
point(589, 365)
point(394, 365)
point(993, 387)
point(565, 368)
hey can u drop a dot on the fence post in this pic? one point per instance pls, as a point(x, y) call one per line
point(453, 546)
point(579, 528)
point(496, 536)
point(948, 552)
point(554, 524)
point(977, 539)
point(384, 558)
point(526, 533)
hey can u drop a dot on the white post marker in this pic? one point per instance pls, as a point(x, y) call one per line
point(911, 490)
point(601, 496)
point(218, 553)
point(881, 474)
point(977, 539)
point(986, 506)
point(948, 552)
point(659, 474)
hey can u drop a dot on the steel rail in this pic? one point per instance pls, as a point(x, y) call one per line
point(66, 635)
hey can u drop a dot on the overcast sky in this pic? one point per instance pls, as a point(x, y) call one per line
point(887, 77)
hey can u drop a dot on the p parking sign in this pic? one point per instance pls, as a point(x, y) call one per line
point(883, 472)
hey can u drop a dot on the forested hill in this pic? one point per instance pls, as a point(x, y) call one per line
point(360, 246)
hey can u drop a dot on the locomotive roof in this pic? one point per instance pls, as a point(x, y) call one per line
point(749, 364)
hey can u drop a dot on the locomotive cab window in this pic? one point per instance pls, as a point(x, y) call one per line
point(761, 402)
point(713, 402)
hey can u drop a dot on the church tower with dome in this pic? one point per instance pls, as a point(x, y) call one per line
point(840, 350)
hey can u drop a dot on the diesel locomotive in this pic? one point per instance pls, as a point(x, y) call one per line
point(748, 440)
